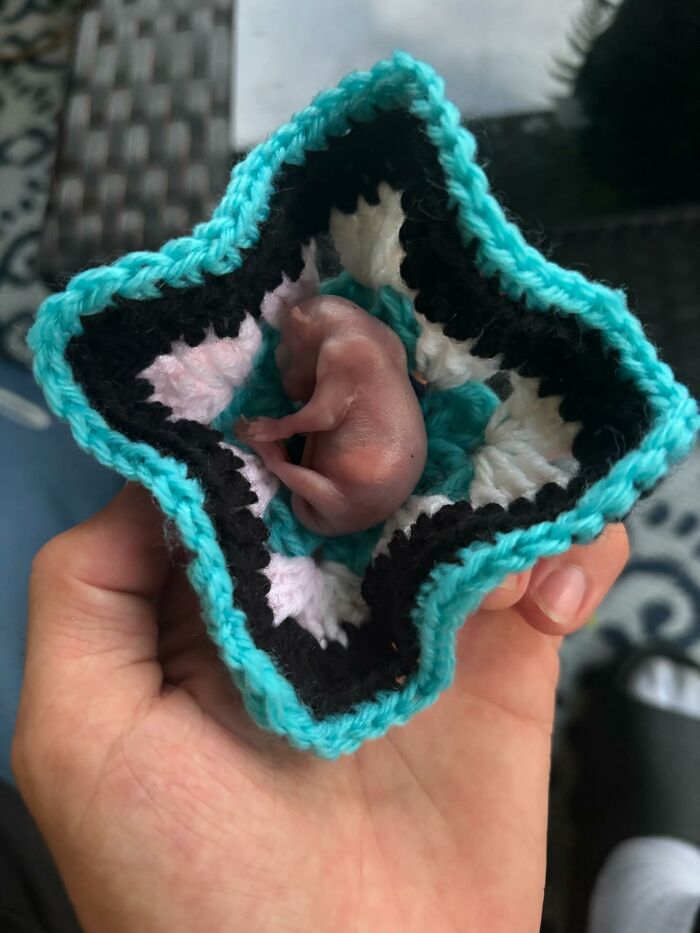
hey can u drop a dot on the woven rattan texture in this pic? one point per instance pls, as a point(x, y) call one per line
point(145, 137)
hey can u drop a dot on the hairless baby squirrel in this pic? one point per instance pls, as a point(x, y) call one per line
point(366, 446)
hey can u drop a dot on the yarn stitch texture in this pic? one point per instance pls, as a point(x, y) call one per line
point(548, 412)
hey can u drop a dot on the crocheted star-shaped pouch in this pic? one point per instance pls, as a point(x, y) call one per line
point(547, 411)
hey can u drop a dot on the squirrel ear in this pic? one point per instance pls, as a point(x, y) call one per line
point(298, 316)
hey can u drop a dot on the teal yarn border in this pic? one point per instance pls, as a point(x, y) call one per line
point(453, 590)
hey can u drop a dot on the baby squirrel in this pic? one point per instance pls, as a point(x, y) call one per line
point(366, 445)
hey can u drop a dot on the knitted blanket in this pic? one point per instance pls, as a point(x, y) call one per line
point(548, 413)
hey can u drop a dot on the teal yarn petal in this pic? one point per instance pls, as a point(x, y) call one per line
point(455, 421)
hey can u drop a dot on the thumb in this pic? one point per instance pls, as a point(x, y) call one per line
point(92, 607)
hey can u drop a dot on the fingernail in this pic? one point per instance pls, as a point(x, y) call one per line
point(510, 583)
point(561, 593)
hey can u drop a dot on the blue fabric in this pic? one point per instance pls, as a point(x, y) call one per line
point(48, 485)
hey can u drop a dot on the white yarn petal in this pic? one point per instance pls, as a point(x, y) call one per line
point(446, 362)
point(263, 483)
point(197, 383)
point(406, 517)
point(289, 292)
point(368, 242)
point(526, 445)
point(318, 597)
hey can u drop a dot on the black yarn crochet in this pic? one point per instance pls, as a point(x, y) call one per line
point(570, 360)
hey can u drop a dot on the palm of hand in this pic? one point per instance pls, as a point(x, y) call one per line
point(410, 833)
point(169, 810)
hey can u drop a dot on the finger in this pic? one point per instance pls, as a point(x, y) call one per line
point(188, 656)
point(511, 590)
point(92, 593)
point(565, 591)
point(189, 661)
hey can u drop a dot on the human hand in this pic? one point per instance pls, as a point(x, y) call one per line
point(167, 809)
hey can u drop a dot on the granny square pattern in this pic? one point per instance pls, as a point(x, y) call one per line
point(548, 413)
